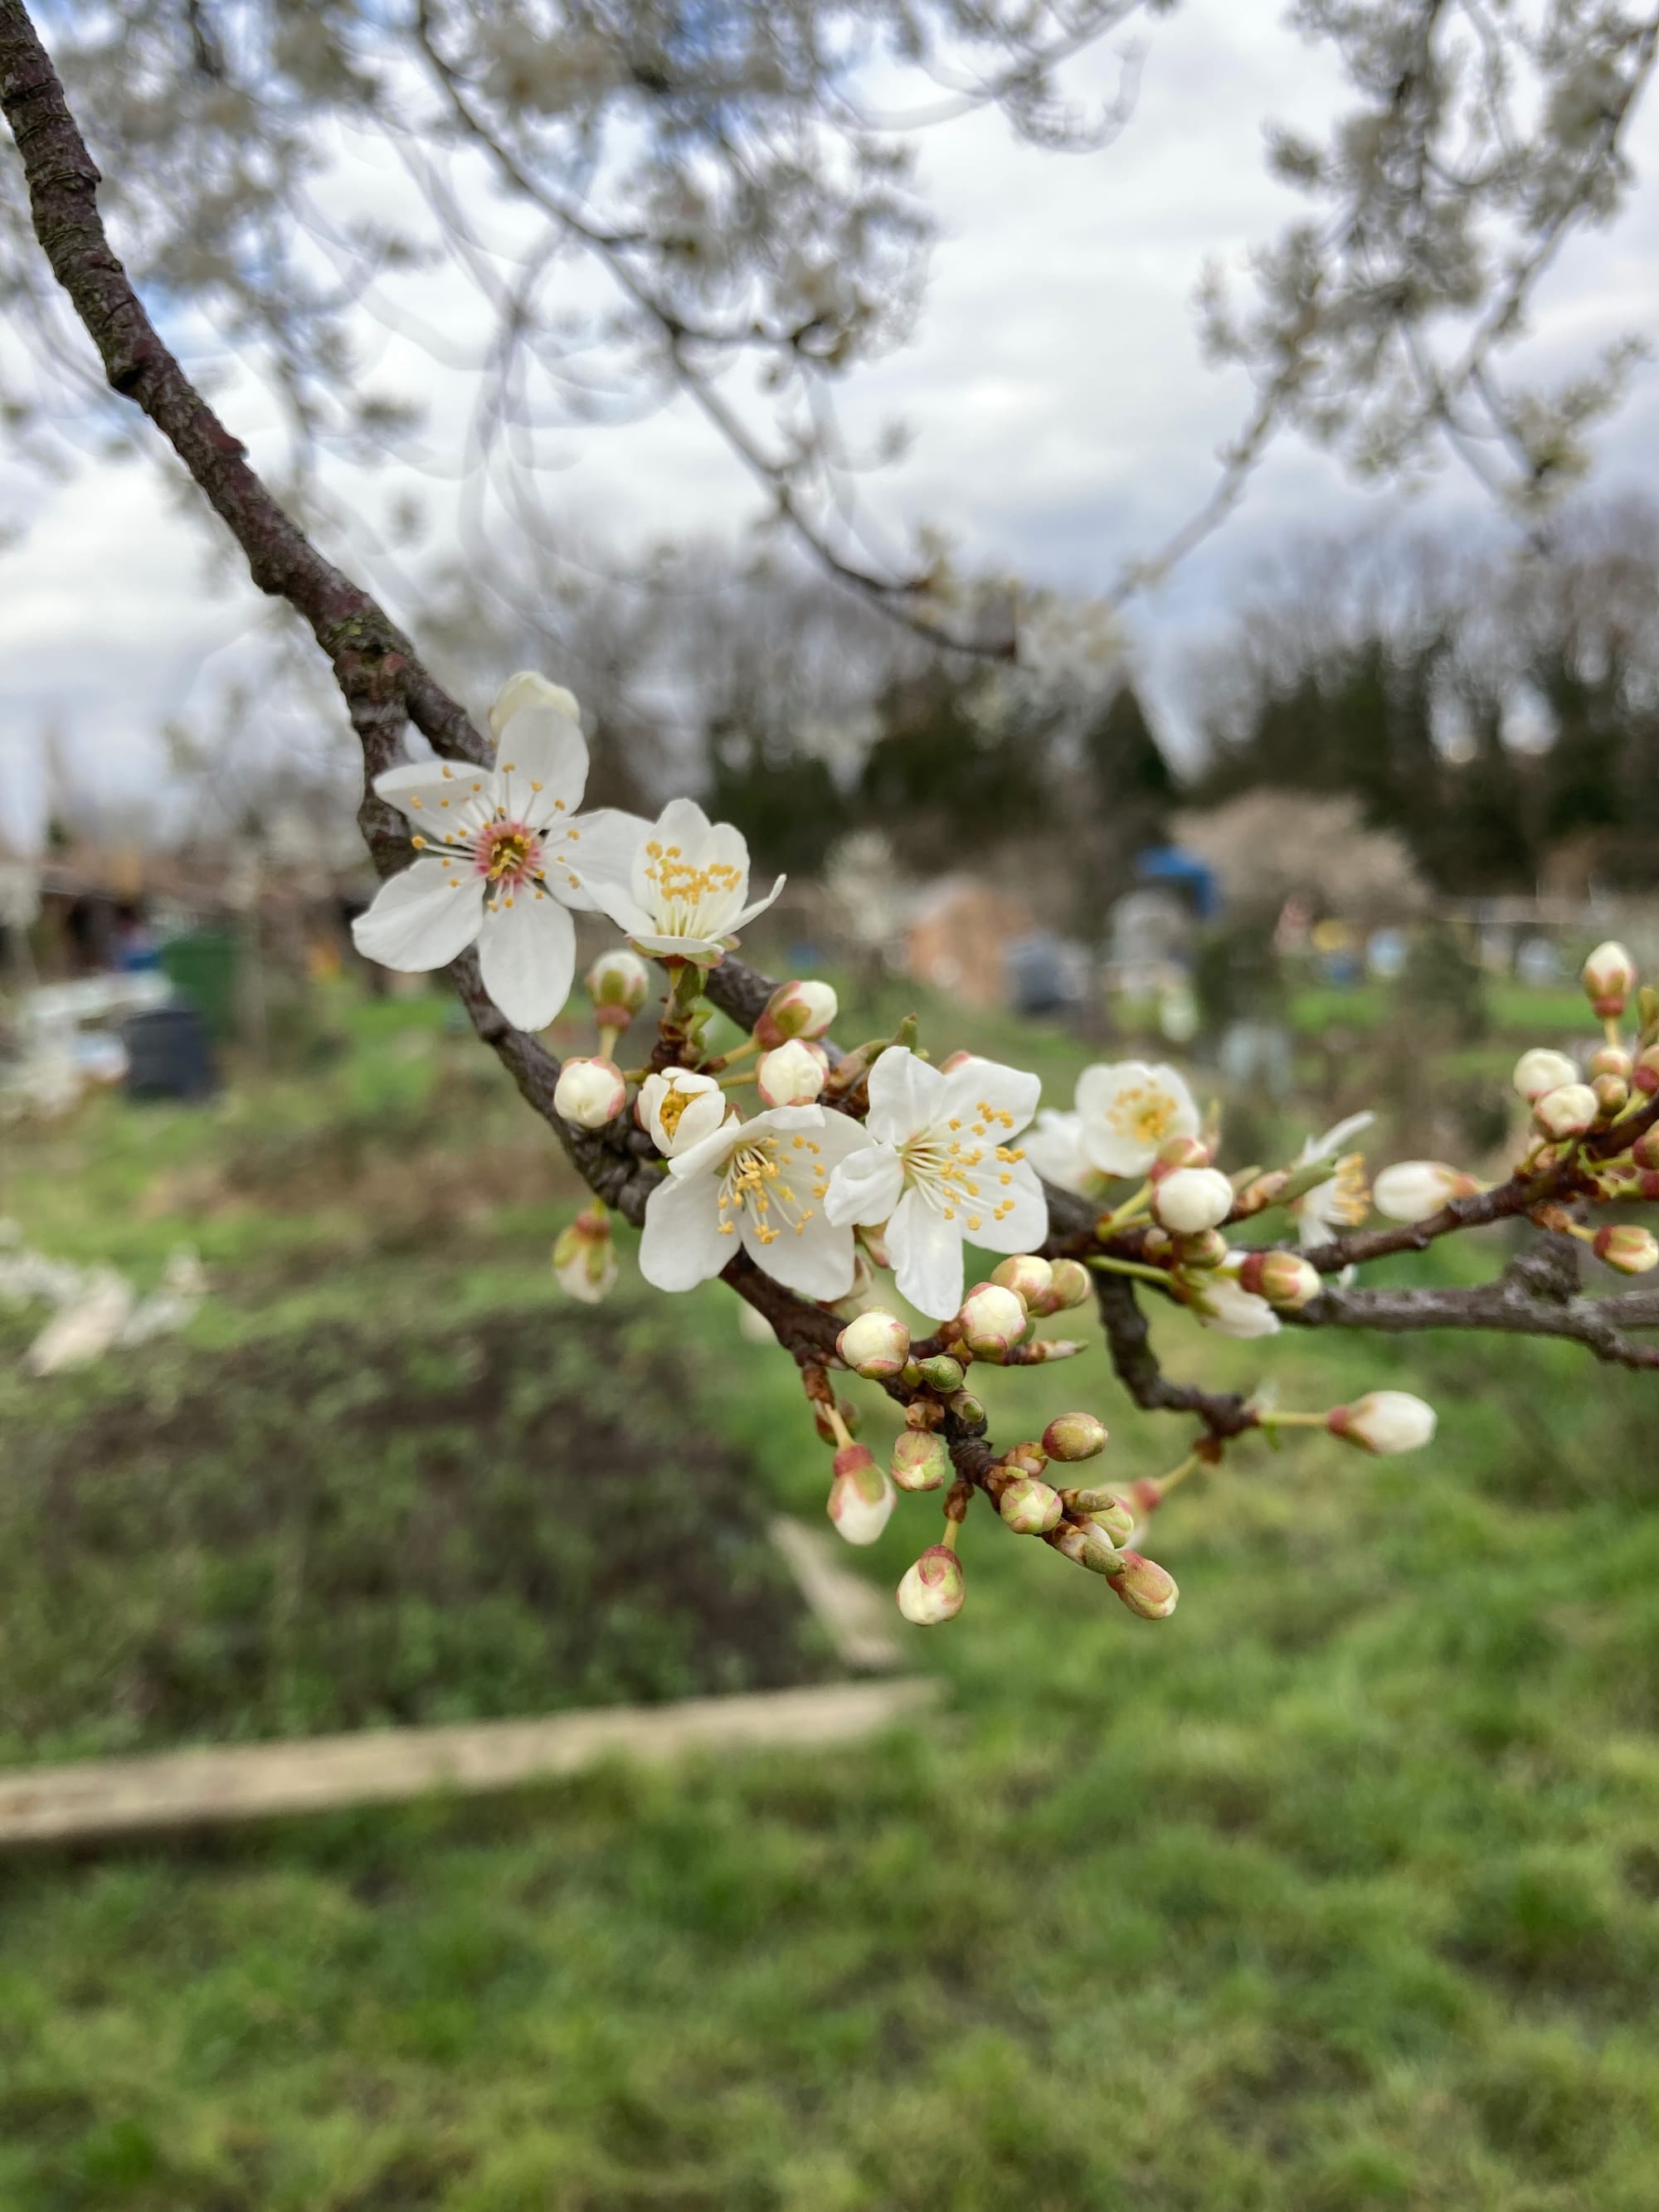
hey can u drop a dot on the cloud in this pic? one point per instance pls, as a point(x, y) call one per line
point(1063, 422)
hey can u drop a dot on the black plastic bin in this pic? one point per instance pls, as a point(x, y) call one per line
point(169, 1054)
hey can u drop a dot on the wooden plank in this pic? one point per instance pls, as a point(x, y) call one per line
point(857, 1618)
point(251, 1781)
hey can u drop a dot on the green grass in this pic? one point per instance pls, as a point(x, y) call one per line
point(1338, 1891)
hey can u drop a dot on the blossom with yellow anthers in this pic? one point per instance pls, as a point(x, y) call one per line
point(935, 1168)
point(759, 1186)
point(1343, 1200)
point(499, 851)
point(678, 1108)
point(684, 889)
point(1127, 1110)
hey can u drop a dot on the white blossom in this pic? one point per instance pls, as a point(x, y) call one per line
point(1193, 1199)
point(937, 1165)
point(1220, 1302)
point(1053, 1145)
point(504, 857)
point(1342, 1201)
point(1127, 1110)
point(683, 887)
point(760, 1184)
point(679, 1108)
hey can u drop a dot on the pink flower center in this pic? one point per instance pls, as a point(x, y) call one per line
point(508, 853)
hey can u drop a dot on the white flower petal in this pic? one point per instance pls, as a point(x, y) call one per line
point(703, 1117)
point(541, 763)
point(423, 918)
point(867, 1185)
point(681, 822)
point(1053, 1146)
point(904, 1095)
point(814, 1259)
point(710, 1152)
point(1007, 1091)
point(438, 795)
point(1024, 1228)
point(528, 688)
point(1128, 1110)
point(682, 1245)
point(527, 957)
point(702, 952)
point(600, 856)
point(927, 1255)
point(747, 914)
point(1320, 1148)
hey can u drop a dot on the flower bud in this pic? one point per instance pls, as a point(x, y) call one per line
point(1262, 1192)
point(585, 1256)
point(933, 1587)
point(1071, 1437)
point(1569, 1112)
point(1384, 1422)
point(1144, 1587)
point(1626, 1249)
point(1114, 1513)
point(1411, 1190)
point(861, 1496)
point(992, 1321)
point(1086, 1545)
point(589, 1093)
point(1208, 1248)
point(968, 1408)
point(796, 1010)
point(793, 1075)
point(875, 1344)
point(1029, 1278)
point(1539, 1070)
point(1285, 1280)
point(1070, 1284)
point(678, 1108)
point(1611, 1059)
point(956, 1060)
point(1609, 977)
point(1611, 1095)
point(921, 1460)
point(1645, 1151)
point(618, 983)
point(1030, 1505)
point(1189, 1200)
point(941, 1372)
point(1646, 1074)
point(1176, 1153)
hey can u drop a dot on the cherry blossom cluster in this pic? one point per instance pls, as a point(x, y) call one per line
point(821, 1170)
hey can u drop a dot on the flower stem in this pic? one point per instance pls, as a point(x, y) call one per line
point(1272, 1421)
point(1131, 1205)
point(1159, 1275)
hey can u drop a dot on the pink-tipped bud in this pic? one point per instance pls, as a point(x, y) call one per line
point(1611, 1095)
point(1611, 1059)
point(1191, 1200)
point(921, 1460)
point(875, 1344)
point(585, 1256)
point(1146, 1588)
point(933, 1589)
point(1644, 1075)
point(1176, 1154)
point(1070, 1285)
point(942, 1373)
point(1645, 1151)
point(1569, 1112)
point(619, 983)
point(992, 1322)
point(1609, 977)
point(1626, 1249)
point(1384, 1422)
point(1030, 1505)
point(796, 1010)
point(589, 1093)
point(861, 1497)
point(1285, 1280)
point(1029, 1278)
point(956, 1060)
point(1072, 1436)
point(1540, 1069)
point(791, 1075)
point(1411, 1190)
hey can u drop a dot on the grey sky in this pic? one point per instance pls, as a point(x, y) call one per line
point(1062, 419)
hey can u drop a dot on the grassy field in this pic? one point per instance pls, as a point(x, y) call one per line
point(1338, 1891)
